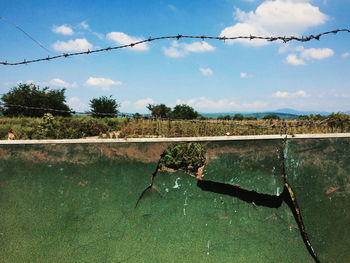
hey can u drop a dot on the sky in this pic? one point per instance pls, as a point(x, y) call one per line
point(210, 75)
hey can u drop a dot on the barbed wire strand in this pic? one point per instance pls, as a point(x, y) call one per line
point(284, 39)
point(24, 32)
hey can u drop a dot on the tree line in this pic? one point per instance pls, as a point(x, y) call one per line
point(51, 101)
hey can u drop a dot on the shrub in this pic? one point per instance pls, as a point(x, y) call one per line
point(185, 156)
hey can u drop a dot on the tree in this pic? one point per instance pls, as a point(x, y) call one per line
point(271, 117)
point(238, 117)
point(224, 117)
point(184, 112)
point(105, 105)
point(31, 95)
point(159, 111)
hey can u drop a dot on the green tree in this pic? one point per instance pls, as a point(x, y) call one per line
point(224, 117)
point(271, 117)
point(159, 111)
point(104, 107)
point(238, 117)
point(31, 95)
point(184, 112)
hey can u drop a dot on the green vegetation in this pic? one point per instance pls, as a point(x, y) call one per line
point(31, 95)
point(236, 117)
point(50, 127)
point(184, 112)
point(184, 156)
point(271, 117)
point(180, 112)
point(104, 107)
point(160, 111)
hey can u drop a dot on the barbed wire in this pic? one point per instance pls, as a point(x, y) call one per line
point(24, 32)
point(284, 39)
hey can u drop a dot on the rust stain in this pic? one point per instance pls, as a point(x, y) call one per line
point(82, 155)
point(83, 183)
point(331, 190)
point(143, 153)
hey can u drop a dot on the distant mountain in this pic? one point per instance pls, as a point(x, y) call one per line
point(258, 115)
point(297, 112)
point(282, 113)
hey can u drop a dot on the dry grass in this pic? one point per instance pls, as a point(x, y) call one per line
point(165, 128)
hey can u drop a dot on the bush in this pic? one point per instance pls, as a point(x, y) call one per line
point(185, 156)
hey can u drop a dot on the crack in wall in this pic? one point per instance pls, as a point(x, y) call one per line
point(259, 199)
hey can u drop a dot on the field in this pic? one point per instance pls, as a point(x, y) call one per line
point(84, 126)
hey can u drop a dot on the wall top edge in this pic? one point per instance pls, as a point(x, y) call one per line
point(181, 139)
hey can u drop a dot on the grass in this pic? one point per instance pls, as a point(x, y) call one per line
point(85, 126)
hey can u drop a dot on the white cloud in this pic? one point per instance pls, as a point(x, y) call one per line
point(123, 39)
point(317, 53)
point(142, 103)
point(136, 106)
point(208, 105)
point(63, 30)
point(307, 54)
point(76, 104)
point(206, 71)
point(292, 59)
point(182, 49)
point(103, 83)
point(245, 75)
point(285, 94)
point(79, 44)
point(345, 55)
point(61, 83)
point(278, 17)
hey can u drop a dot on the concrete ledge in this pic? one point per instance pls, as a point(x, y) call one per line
point(181, 139)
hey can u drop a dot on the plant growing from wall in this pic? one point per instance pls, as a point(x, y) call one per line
point(188, 157)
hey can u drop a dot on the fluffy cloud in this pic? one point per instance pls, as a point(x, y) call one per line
point(103, 83)
point(317, 53)
point(279, 17)
point(76, 104)
point(293, 59)
point(61, 83)
point(123, 39)
point(285, 94)
point(182, 49)
point(308, 54)
point(79, 44)
point(209, 105)
point(206, 71)
point(245, 75)
point(63, 30)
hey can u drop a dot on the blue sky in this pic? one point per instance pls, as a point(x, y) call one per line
point(211, 76)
